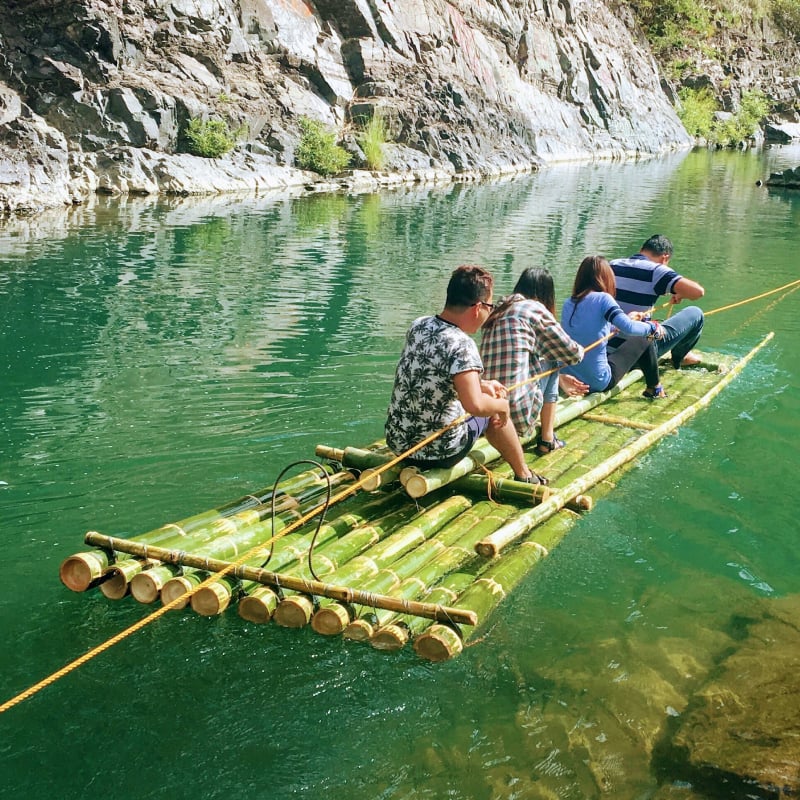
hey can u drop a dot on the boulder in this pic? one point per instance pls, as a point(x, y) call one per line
point(740, 734)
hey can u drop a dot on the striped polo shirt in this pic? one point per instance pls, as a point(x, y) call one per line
point(640, 282)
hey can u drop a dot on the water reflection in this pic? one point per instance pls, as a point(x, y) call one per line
point(160, 358)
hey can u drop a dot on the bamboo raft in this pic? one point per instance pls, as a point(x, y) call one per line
point(408, 556)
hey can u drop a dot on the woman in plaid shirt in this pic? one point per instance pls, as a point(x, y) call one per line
point(522, 338)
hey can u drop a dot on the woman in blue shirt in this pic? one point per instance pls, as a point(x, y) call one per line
point(590, 314)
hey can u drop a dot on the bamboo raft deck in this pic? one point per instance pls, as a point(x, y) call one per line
point(408, 557)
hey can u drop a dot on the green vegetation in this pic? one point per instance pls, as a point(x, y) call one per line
point(371, 140)
point(698, 114)
point(211, 138)
point(697, 111)
point(787, 14)
point(673, 24)
point(318, 150)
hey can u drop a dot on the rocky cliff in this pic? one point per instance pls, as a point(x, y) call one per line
point(95, 95)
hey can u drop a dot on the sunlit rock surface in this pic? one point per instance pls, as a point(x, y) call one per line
point(95, 94)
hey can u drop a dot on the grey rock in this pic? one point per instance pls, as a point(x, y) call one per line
point(471, 89)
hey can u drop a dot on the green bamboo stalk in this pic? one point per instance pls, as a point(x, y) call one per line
point(447, 577)
point(296, 611)
point(145, 586)
point(82, 571)
point(347, 534)
point(331, 618)
point(490, 546)
point(353, 457)
point(294, 546)
point(344, 593)
point(440, 642)
point(509, 490)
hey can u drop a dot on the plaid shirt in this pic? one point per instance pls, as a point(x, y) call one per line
point(524, 336)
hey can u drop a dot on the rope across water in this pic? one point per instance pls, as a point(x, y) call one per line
point(341, 495)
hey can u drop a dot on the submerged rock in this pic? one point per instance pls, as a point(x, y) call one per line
point(740, 735)
point(788, 179)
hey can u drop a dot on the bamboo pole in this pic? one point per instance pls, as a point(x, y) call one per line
point(294, 547)
point(296, 611)
point(296, 608)
point(332, 618)
point(490, 546)
point(146, 586)
point(268, 578)
point(390, 631)
point(508, 490)
point(82, 571)
point(441, 642)
point(339, 538)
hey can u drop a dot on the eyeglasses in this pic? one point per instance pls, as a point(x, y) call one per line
point(490, 306)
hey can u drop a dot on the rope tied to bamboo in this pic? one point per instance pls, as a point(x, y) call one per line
point(73, 665)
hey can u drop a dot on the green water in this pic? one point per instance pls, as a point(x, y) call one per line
point(158, 360)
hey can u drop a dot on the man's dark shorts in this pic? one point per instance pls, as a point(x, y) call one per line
point(476, 426)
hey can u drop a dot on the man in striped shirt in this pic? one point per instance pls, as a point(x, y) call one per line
point(646, 276)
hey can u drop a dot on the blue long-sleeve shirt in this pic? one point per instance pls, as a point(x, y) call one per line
point(589, 320)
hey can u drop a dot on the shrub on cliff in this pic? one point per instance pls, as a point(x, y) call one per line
point(699, 109)
point(210, 138)
point(371, 139)
point(787, 14)
point(318, 150)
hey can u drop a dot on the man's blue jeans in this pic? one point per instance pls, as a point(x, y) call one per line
point(681, 332)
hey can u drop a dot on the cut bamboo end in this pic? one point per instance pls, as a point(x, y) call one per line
point(390, 637)
point(438, 643)
point(371, 482)
point(331, 453)
point(177, 587)
point(407, 473)
point(211, 600)
point(359, 630)
point(146, 587)
point(259, 606)
point(294, 611)
point(581, 502)
point(79, 571)
point(117, 585)
point(487, 549)
point(417, 486)
point(331, 620)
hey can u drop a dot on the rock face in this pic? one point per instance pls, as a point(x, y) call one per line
point(95, 94)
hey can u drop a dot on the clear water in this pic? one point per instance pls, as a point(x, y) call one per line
point(158, 360)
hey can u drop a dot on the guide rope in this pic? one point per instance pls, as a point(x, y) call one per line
point(341, 495)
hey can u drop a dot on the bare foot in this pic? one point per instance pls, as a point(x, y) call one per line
point(691, 360)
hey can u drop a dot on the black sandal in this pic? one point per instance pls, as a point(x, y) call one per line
point(534, 478)
point(543, 448)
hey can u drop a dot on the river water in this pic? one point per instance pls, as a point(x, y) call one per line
point(161, 359)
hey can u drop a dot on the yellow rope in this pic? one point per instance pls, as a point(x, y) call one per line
point(37, 687)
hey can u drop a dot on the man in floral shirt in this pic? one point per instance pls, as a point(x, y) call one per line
point(438, 380)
